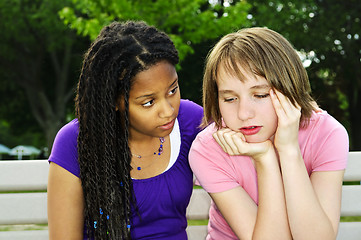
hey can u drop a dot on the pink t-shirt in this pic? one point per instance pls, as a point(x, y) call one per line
point(324, 147)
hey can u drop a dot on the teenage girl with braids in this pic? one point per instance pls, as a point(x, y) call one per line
point(271, 160)
point(120, 170)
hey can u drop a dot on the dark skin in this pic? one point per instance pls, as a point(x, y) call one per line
point(153, 106)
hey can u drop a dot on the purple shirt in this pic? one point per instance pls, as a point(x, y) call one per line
point(162, 200)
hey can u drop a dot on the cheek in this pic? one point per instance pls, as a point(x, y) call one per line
point(227, 113)
point(222, 110)
point(176, 102)
point(136, 115)
point(273, 119)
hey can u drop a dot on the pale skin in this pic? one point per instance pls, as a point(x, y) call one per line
point(154, 95)
point(292, 205)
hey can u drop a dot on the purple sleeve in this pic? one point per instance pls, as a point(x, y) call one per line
point(64, 152)
point(191, 115)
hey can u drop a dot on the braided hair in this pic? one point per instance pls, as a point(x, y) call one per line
point(119, 52)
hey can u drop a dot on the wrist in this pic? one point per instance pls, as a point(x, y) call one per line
point(289, 153)
point(266, 157)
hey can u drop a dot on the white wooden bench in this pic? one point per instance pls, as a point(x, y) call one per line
point(23, 200)
point(351, 199)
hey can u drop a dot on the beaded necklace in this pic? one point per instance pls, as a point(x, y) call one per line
point(158, 152)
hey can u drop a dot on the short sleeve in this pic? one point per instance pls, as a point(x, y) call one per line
point(332, 146)
point(64, 151)
point(211, 166)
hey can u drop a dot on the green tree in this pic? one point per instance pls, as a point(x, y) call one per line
point(187, 22)
point(328, 33)
point(39, 56)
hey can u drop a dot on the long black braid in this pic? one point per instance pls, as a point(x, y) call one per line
point(120, 52)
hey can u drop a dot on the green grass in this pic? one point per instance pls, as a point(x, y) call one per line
point(197, 222)
point(31, 191)
point(205, 222)
point(351, 219)
point(4, 228)
point(351, 183)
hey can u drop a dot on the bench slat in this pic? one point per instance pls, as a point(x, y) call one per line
point(349, 231)
point(197, 232)
point(24, 175)
point(23, 208)
point(353, 170)
point(25, 235)
point(199, 204)
point(30, 208)
point(351, 200)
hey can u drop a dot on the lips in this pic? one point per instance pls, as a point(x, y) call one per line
point(250, 130)
point(168, 126)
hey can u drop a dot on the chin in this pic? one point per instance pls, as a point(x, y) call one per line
point(255, 139)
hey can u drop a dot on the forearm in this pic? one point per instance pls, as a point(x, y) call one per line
point(271, 222)
point(306, 216)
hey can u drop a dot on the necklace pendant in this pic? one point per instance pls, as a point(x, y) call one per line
point(160, 151)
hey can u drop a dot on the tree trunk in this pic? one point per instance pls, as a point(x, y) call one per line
point(50, 114)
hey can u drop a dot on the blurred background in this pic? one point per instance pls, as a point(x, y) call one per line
point(42, 43)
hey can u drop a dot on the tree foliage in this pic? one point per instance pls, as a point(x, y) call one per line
point(187, 22)
point(40, 54)
point(36, 65)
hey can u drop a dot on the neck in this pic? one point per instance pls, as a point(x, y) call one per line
point(145, 145)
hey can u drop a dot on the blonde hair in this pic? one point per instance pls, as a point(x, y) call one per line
point(265, 53)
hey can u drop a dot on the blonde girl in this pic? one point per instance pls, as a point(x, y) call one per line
point(271, 161)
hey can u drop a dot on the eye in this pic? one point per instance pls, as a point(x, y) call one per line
point(148, 104)
point(229, 100)
point(261, 95)
point(173, 91)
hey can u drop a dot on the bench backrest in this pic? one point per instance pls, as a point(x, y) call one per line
point(23, 187)
point(23, 200)
point(351, 199)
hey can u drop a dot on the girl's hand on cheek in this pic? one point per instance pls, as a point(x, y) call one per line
point(234, 143)
point(286, 135)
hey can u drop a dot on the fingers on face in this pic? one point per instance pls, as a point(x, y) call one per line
point(218, 136)
point(225, 138)
point(283, 105)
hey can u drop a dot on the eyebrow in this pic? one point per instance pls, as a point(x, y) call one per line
point(152, 94)
point(261, 86)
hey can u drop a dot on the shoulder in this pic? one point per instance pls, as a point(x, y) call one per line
point(322, 125)
point(189, 116)
point(215, 170)
point(189, 109)
point(64, 151)
point(69, 129)
point(205, 149)
point(67, 135)
point(206, 135)
point(325, 143)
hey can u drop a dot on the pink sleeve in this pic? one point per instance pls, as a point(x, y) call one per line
point(211, 165)
point(332, 146)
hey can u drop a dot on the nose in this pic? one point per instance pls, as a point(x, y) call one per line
point(246, 110)
point(167, 109)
